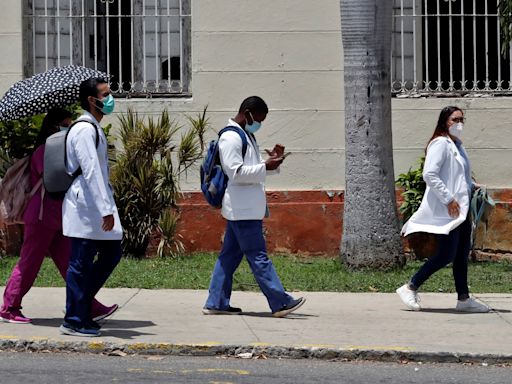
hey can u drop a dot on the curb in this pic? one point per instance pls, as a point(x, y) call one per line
point(247, 351)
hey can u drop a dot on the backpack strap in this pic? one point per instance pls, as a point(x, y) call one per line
point(35, 187)
point(85, 121)
point(78, 172)
point(242, 136)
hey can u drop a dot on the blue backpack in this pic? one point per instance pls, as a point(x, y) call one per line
point(213, 179)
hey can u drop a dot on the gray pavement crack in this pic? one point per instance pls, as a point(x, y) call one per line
point(495, 311)
point(121, 306)
point(250, 329)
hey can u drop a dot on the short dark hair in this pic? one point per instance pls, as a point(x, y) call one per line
point(254, 104)
point(88, 88)
point(50, 123)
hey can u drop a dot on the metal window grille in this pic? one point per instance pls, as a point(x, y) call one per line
point(448, 47)
point(143, 44)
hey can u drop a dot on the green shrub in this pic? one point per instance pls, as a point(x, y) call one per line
point(17, 137)
point(414, 188)
point(146, 174)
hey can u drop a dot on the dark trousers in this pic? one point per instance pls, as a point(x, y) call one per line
point(90, 265)
point(455, 248)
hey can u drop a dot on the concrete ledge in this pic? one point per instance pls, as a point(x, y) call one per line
point(248, 351)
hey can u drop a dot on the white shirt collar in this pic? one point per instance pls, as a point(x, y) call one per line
point(89, 116)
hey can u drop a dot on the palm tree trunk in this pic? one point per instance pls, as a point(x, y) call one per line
point(371, 237)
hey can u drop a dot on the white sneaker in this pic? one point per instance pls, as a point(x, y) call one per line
point(471, 305)
point(409, 297)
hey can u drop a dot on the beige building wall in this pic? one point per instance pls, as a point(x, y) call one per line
point(289, 52)
point(11, 64)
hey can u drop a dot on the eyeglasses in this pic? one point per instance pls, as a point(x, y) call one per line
point(458, 119)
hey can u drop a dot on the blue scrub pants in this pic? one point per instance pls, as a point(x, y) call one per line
point(90, 265)
point(245, 237)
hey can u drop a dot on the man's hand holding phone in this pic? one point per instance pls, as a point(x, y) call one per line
point(276, 157)
point(278, 151)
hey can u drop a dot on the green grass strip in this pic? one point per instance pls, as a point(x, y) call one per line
point(296, 273)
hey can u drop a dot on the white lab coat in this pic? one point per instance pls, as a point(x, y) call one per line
point(90, 197)
point(446, 180)
point(245, 194)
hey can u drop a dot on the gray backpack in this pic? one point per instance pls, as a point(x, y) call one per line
point(56, 177)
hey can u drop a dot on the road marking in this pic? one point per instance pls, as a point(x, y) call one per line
point(98, 345)
point(319, 345)
point(205, 344)
point(380, 347)
point(138, 370)
point(221, 382)
point(240, 372)
point(9, 337)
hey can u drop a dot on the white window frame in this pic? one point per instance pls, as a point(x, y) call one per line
point(62, 32)
point(471, 65)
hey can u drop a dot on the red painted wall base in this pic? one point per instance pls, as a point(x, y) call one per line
point(300, 222)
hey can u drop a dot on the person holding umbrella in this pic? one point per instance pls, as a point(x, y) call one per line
point(90, 216)
point(42, 232)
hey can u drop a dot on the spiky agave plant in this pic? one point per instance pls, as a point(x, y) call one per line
point(146, 177)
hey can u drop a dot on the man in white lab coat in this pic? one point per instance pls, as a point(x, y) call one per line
point(90, 216)
point(244, 206)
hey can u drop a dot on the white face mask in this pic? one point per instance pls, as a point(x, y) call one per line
point(456, 130)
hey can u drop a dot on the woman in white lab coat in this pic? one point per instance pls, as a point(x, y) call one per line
point(444, 211)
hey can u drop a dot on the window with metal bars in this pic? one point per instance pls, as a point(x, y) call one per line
point(448, 48)
point(144, 45)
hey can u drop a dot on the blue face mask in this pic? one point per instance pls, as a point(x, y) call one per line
point(254, 127)
point(106, 106)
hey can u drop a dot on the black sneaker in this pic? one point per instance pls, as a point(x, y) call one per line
point(287, 309)
point(93, 324)
point(229, 311)
point(68, 329)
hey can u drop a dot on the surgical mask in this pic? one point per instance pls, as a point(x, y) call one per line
point(254, 127)
point(106, 106)
point(456, 130)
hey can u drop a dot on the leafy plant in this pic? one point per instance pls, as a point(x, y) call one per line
point(414, 189)
point(170, 243)
point(146, 175)
point(505, 12)
point(17, 137)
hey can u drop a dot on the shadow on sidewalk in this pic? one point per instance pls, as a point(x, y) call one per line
point(454, 312)
point(125, 324)
point(123, 333)
point(293, 316)
point(121, 329)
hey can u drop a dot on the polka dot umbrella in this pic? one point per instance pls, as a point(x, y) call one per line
point(57, 87)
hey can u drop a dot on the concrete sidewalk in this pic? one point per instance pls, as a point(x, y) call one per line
point(329, 325)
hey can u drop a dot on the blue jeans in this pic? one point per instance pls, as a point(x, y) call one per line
point(455, 248)
point(90, 265)
point(245, 237)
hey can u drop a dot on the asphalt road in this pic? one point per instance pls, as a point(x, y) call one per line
point(42, 368)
